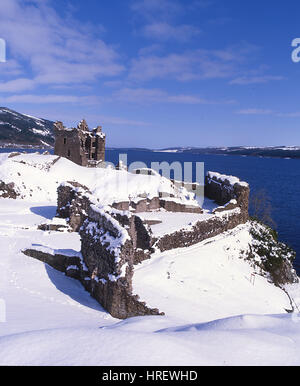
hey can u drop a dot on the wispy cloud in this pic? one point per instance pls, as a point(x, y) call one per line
point(295, 114)
point(121, 121)
point(153, 9)
point(259, 111)
point(255, 111)
point(165, 31)
point(245, 80)
point(17, 85)
point(157, 19)
point(58, 51)
point(151, 96)
point(51, 98)
point(192, 64)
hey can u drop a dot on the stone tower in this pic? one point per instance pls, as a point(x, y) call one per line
point(81, 145)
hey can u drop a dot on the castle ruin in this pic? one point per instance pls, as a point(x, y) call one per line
point(81, 145)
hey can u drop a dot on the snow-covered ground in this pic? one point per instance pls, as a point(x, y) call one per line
point(170, 222)
point(46, 312)
point(207, 281)
point(37, 178)
point(217, 312)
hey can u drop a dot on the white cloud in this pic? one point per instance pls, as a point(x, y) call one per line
point(166, 31)
point(160, 18)
point(295, 114)
point(151, 96)
point(255, 111)
point(56, 50)
point(244, 80)
point(153, 9)
point(189, 65)
point(17, 85)
point(120, 121)
point(41, 99)
point(258, 111)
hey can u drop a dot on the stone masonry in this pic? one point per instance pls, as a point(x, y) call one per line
point(80, 145)
point(113, 241)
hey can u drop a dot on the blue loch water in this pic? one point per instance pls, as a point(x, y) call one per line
point(279, 177)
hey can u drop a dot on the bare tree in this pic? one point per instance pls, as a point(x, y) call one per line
point(261, 208)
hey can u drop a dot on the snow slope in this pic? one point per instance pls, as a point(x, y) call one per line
point(47, 312)
point(22, 129)
point(242, 340)
point(207, 281)
point(205, 291)
point(37, 177)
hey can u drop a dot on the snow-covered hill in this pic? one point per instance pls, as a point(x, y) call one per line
point(46, 312)
point(23, 130)
point(37, 177)
point(258, 151)
point(217, 311)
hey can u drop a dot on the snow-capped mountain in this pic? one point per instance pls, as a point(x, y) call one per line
point(21, 129)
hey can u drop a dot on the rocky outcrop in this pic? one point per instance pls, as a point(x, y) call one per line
point(7, 190)
point(273, 257)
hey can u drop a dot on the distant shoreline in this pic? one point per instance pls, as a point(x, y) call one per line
point(267, 152)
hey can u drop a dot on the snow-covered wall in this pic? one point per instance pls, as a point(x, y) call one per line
point(223, 189)
point(112, 242)
point(233, 196)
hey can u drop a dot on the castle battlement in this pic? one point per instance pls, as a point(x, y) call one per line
point(81, 145)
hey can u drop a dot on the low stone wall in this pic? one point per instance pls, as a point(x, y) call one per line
point(227, 191)
point(201, 230)
point(146, 205)
point(57, 260)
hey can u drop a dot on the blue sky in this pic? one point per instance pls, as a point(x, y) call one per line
point(157, 73)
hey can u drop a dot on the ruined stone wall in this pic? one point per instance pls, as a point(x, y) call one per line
point(201, 230)
point(73, 203)
point(68, 145)
point(146, 205)
point(227, 191)
point(222, 189)
point(80, 145)
point(112, 242)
